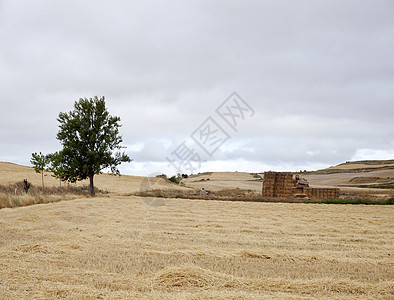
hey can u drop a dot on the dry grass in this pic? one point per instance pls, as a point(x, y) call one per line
point(366, 165)
point(125, 184)
point(350, 197)
point(8, 201)
point(223, 195)
point(216, 181)
point(359, 166)
point(345, 179)
point(128, 247)
point(13, 195)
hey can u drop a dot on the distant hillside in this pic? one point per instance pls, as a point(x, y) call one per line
point(12, 173)
point(215, 181)
point(359, 166)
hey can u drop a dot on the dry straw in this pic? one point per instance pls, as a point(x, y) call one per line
point(122, 248)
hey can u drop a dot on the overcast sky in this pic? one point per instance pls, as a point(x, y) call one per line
point(316, 79)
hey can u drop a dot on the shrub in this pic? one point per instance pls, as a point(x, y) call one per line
point(359, 201)
point(176, 179)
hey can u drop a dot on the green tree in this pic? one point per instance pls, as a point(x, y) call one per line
point(91, 141)
point(39, 162)
point(56, 165)
point(176, 179)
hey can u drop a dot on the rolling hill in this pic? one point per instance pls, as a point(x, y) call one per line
point(124, 184)
point(359, 166)
point(350, 175)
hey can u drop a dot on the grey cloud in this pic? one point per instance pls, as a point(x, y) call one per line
point(318, 74)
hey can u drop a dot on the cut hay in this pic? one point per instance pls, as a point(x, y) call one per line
point(190, 276)
point(252, 254)
point(120, 248)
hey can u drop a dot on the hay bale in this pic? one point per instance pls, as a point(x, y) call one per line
point(278, 184)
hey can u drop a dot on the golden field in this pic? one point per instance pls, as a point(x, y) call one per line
point(214, 181)
point(117, 246)
point(125, 248)
point(363, 165)
point(125, 184)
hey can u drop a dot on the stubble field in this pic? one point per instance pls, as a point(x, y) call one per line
point(120, 247)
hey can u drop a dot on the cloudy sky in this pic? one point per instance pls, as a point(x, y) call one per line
point(315, 80)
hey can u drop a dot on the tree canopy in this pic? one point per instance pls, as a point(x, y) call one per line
point(56, 165)
point(39, 162)
point(91, 141)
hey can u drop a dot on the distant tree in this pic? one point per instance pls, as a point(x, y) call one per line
point(39, 162)
point(56, 165)
point(90, 139)
point(176, 179)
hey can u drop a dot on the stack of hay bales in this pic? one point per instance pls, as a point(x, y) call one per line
point(298, 190)
point(268, 184)
point(282, 184)
point(278, 184)
point(322, 193)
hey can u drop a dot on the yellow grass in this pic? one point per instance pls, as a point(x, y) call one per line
point(229, 180)
point(363, 164)
point(7, 200)
point(224, 180)
point(340, 179)
point(125, 184)
point(123, 247)
point(359, 166)
point(120, 247)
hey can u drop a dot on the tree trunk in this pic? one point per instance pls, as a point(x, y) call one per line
point(42, 178)
point(91, 187)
